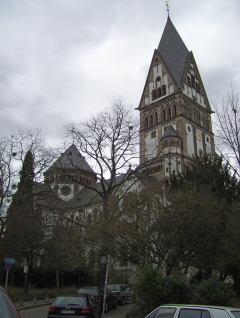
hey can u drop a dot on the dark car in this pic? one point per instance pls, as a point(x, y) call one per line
point(7, 308)
point(98, 294)
point(74, 305)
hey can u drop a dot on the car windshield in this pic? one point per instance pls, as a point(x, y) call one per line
point(70, 300)
point(236, 313)
point(92, 291)
point(113, 287)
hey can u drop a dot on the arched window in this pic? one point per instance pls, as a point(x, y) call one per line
point(198, 117)
point(163, 114)
point(155, 118)
point(151, 120)
point(164, 90)
point(158, 94)
point(207, 123)
point(173, 110)
point(203, 120)
point(193, 81)
point(153, 134)
point(194, 114)
point(197, 87)
point(154, 94)
point(158, 81)
point(169, 112)
point(146, 121)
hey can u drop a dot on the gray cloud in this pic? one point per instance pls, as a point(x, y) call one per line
point(62, 60)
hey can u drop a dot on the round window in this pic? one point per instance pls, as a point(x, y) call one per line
point(65, 190)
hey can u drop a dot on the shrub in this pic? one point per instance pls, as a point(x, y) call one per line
point(147, 288)
point(214, 292)
point(152, 289)
point(177, 290)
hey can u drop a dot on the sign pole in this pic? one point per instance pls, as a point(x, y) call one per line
point(6, 283)
point(6, 280)
point(106, 260)
point(105, 287)
point(8, 261)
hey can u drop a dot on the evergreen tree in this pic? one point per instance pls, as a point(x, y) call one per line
point(224, 186)
point(212, 173)
point(23, 224)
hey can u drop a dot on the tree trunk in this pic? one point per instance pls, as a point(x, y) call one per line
point(57, 278)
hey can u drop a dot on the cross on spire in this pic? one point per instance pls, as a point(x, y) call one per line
point(166, 2)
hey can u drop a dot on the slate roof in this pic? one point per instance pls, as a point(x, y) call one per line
point(170, 132)
point(71, 159)
point(88, 196)
point(174, 52)
point(44, 195)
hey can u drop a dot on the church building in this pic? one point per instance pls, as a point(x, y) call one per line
point(175, 124)
point(175, 128)
point(175, 113)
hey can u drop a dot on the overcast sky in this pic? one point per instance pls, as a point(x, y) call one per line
point(63, 60)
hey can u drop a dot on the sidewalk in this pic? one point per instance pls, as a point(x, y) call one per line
point(34, 303)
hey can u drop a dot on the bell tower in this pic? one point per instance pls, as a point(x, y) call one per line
point(175, 114)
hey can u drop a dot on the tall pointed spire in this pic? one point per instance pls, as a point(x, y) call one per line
point(173, 51)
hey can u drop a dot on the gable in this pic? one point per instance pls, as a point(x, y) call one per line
point(159, 83)
point(192, 84)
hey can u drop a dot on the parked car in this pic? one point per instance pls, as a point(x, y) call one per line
point(98, 294)
point(74, 305)
point(194, 311)
point(120, 291)
point(129, 290)
point(7, 307)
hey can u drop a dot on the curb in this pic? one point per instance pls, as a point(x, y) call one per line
point(29, 305)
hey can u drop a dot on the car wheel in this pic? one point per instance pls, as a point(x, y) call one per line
point(106, 307)
point(123, 301)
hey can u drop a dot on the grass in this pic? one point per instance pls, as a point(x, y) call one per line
point(16, 293)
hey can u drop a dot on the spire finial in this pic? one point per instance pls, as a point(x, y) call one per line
point(166, 2)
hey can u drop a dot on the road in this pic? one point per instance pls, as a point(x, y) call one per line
point(41, 312)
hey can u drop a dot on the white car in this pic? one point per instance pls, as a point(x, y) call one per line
point(194, 311)
point(121, 292)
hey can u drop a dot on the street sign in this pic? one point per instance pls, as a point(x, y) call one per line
point(8, 260)
point(7, 266)
point(107, 260)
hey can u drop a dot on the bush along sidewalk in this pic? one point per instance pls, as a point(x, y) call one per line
point(152, 289)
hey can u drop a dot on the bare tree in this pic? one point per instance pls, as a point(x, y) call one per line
point(109, 141)
point(228, 129)
point(12, 152)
